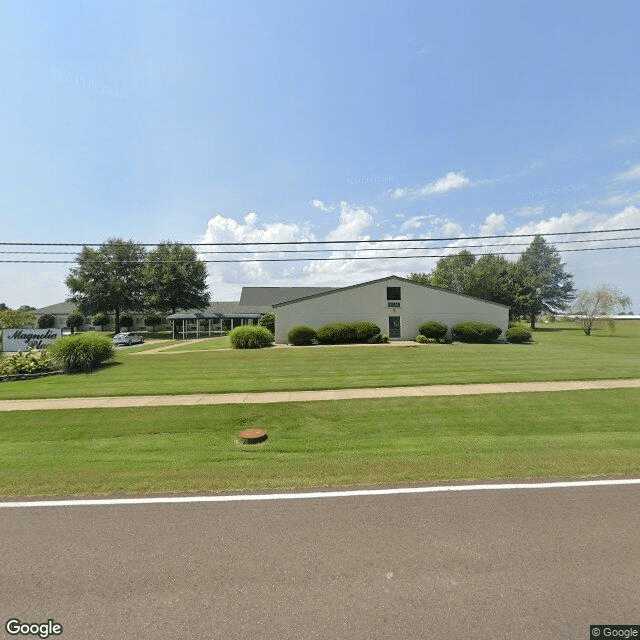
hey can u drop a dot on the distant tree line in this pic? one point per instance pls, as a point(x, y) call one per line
point(121, 276)
point(538, 279)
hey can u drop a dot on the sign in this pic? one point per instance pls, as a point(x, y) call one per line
point(23, 339)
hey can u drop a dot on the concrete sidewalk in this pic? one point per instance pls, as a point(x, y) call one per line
point(307, 396)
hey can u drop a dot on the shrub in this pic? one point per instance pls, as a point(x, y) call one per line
point(126, 320)
point(421, 339)
point(84, 352)
point(100, 320)
point(250, 337)
point(434, 329)
point(153, 320)
point(46, 321)
point(517, 334)
point(30, 362)
point(301, 334)
point(476, 332)
point(268, 321)
point(347, 332)
point(384, 338)
point(75, 320)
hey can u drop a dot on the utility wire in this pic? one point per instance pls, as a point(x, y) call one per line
point(359, 249)
point(330, 242)
point(304, 259)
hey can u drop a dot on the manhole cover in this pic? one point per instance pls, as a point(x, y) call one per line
point(252, 436)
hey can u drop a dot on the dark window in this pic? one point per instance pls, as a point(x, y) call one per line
point(393, 293)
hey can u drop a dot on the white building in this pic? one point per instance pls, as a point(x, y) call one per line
point(397, 305)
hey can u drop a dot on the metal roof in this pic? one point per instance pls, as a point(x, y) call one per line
point(270, 296)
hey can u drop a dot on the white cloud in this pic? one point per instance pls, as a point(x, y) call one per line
point(529, 212)
point(353, 221)
point(318, 204)
point(493, 223)
point(630, 174)
point(413, 223)
point(449, 182)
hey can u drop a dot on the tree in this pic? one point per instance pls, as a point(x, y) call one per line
point(268, 320)
point(175, 279)
point(152, 320)
point(17, 320)
point(492, 278)
point(598, 303)
point(46, 321)
point(542, 279)
point(75, 320)
point(452, 272)
point(126, 320)
point(108, 278)
point(101, 320)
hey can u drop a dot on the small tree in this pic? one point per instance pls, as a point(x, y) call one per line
point(268, 321)
point(75, 320)
point(46, 321)
point(17, 320)
point(598, 303)
point(101, 320)
point(153, 320)
point(126, 320)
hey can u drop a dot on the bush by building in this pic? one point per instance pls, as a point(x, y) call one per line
point(46, 321)
point(83, 352)
point(421, 339)
point(478, 332)
point(268, 321)
point(434, 329)
point(301, 335)
point(517, 335)
point(75, 320)
point(100, 320)
point(250, 337)
point(348, 333)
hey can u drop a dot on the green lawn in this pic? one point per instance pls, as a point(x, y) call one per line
point(560, 352)
point(340, 443)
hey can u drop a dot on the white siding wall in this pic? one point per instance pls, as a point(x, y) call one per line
point(369, 302)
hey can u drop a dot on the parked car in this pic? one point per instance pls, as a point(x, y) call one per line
point(128, 338)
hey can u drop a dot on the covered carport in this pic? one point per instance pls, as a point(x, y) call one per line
point(187, 320)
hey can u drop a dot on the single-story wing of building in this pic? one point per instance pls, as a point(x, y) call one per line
point(397, 305)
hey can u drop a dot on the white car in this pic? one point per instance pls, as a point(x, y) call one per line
point(128, 338)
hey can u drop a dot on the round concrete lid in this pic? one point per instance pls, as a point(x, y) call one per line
point(252, 436)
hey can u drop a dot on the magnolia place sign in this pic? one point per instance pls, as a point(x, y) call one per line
point(23, 339)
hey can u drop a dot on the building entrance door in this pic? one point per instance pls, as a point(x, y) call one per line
point(394, 327)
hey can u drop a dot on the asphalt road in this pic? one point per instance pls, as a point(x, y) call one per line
point(494, 564)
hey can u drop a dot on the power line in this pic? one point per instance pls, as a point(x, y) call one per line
point(360, 249)
point(305, 242)
point(304, 259)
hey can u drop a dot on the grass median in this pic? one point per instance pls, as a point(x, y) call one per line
point(560, 352)
point(338, 443)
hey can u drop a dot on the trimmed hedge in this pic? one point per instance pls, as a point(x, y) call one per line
point(347, 333)
point(82, 352)
point(476, 332)
point(268, 321)
point(517, 335)
point(250, 337)
point(421, 339)
point(434, 329)
point(301, 335)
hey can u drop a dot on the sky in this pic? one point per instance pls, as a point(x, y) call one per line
point(283, 121)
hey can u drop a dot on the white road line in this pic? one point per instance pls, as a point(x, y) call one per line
point(320, 494)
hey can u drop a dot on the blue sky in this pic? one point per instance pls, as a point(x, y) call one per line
point(283, 121)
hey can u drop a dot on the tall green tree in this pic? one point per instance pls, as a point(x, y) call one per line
point(451, 272)
point(542, 279)
point(492, 278)
point(108, 278)
point(174, 278)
